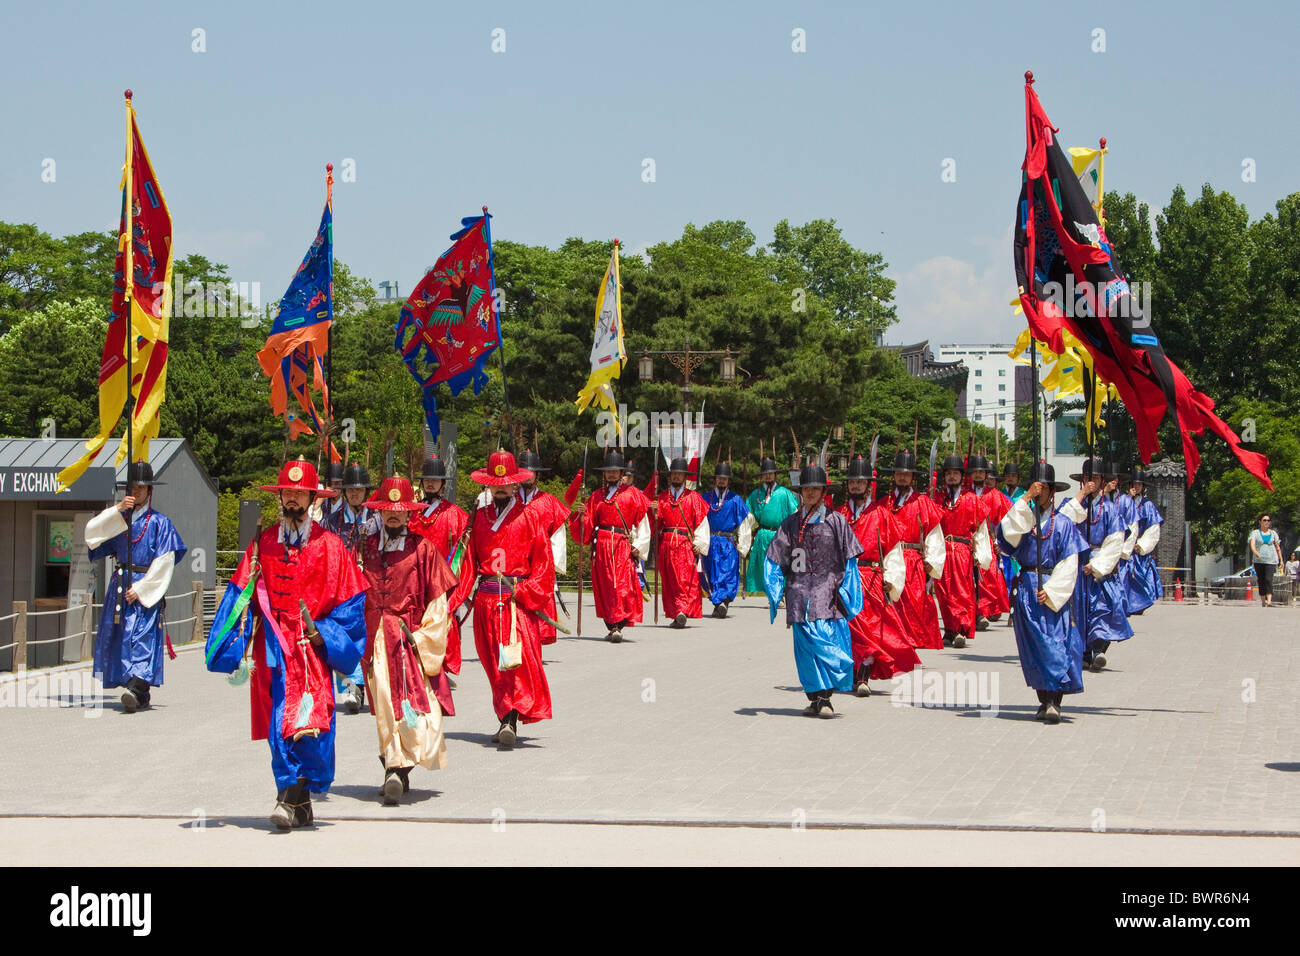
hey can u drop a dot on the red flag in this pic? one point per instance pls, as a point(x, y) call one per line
point(575, 486)
point(1069, 281)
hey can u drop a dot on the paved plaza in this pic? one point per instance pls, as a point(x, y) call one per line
point(680, 737)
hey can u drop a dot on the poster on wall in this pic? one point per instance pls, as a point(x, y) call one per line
point(59, 543)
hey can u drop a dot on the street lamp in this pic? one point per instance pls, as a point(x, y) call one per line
point(646, 368)
point(728, 370)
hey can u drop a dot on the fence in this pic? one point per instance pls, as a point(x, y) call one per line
point(77, 645)
point(1224, 590)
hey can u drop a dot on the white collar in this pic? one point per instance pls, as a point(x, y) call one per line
point(397, 543)
point(303, 533)
point(496, 524)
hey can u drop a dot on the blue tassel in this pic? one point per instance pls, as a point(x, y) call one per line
point(241, 674)
point(410, 715)
point(304, 709)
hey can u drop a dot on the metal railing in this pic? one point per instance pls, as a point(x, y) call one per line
point(78, 644)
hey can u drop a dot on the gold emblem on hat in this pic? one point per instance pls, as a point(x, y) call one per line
point(394, 494)
point(499, 471)
point(295, 473)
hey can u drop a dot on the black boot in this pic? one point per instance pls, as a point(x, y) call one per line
point(302, 812)
point(813, 701)
point(282, 815)
point(824, 708)
point(860, 675)
point(1043, 699)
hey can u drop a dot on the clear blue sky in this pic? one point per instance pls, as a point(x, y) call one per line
point(551, 133)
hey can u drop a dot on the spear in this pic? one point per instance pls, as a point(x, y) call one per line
point(581, 546)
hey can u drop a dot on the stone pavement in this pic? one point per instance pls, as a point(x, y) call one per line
point(1193, 730)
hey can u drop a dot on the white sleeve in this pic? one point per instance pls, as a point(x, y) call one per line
point(1107, 556)
point(745, 536)
point(105, 526)
point(1150, 538)
point(1131, 540)
point(641, 537)
point(152, 587)
point(935, 553)
point(1017, 522)
point(983, 550)
point(895, 571)
point(1074, 511)
point(560, 549)
point(1060, 583)
point(701, 537)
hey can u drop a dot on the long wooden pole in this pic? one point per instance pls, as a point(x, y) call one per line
point(129, 283)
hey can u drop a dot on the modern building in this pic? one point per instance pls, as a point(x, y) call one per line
point(43, 557)
point(996, 384)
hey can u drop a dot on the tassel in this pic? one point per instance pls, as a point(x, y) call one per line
point(241, 674)
point(304, 709)
point(410, 715)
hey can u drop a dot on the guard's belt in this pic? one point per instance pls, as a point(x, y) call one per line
point(953, 537)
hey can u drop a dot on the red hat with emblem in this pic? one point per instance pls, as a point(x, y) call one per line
point(394, 494)
point(300, 475)
point(501, 470)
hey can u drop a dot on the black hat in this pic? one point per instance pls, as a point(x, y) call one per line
point(1010, 469)
point(1092, 468)
point(354, 476)
point(952, 463)
point(904, 461)
point(433, 467)
point(334, 472)
point(977, 463)
point(629, 468)
point(679, 465)
point(812, 476)
point(1042, 471)
point(1139, 475)
point(613, 462)
point(1112, 471)
point(139, 473)
point(531, 461)
point(858, 468)
point(723, 470)
point(766, 465)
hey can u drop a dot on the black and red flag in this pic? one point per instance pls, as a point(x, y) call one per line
point(1070, 281)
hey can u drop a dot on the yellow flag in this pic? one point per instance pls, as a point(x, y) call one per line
point(607, 353)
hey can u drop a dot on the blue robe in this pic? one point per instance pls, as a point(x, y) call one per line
point(824, 594)
point(1100, 606)
point(1049, 644)
point(1143, 587)
point(722, 562)
point(135, 647)
point(353, 528)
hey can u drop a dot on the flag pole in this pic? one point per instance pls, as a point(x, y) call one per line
point(128, 282)
point(501, 348)
point(327, 433)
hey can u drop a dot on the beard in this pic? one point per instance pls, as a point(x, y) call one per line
point(295, 513)
point(394, 530)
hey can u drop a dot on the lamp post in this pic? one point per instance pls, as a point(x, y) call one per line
point(687, 360)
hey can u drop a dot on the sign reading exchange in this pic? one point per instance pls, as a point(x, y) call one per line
point(19, 484)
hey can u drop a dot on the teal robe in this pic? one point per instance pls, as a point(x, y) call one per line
point(769, 512)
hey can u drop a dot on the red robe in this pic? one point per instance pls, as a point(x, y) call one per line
point(444, 523)
point(552, 514)
point(519, 549)
point(878, 631)
point(402, 584)
point(956, 589)
point(614, 583)
point(324, 575)
point(676, 522)
point(917, 517)
point(994, 597)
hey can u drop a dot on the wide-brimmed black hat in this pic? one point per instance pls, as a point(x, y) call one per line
point(354, 476)
point(334, 472)
point(952, 463)
point(1011, 470)
point(1139, 475)
point(904, 461)
point(858, 468)
point(1092, 468)
point(613, 462)
point(977, 463)
point(766, 465)
point(723, 470)
point(139, 473)
point(679, 465)
point(811, 476)
point(433, 467)
point(532, 461)
point(1112, 471)
point(1042, 471)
